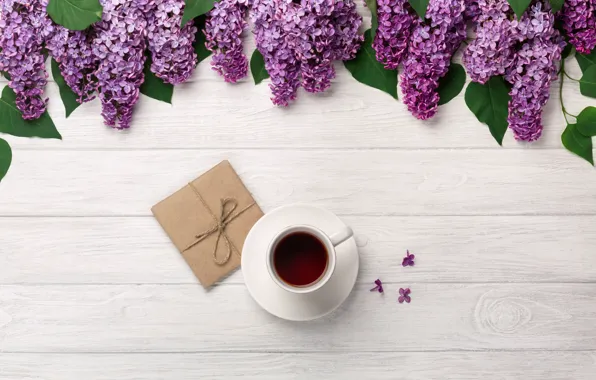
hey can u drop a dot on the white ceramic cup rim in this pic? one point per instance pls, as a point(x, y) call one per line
point(331, 256)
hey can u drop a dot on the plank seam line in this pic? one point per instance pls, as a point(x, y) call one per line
point(240, 352)
point(396, 215)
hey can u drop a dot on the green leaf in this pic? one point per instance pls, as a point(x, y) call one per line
point(489, 103)
point(452, 83)
point(69, 98)
point(12, 123)
point(577, 143)
point(75, 14)
point(519, 6)
point(200, 48)
point(567, 51)
point(587, 83)
point(556, 5)
point(374, 21)
point(195, 8)
point(257, 67)
point(586, 121)
point(154, 87)
point(5, 158)
point(366, 69)
point(586, 60)
point(419, 6)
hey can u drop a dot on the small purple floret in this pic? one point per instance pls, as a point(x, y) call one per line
point(408, 260)
point(378, 287)
point(404, 295)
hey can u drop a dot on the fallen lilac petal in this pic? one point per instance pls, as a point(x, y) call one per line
point(378, 287)
point(404, 295)
point(408, 260)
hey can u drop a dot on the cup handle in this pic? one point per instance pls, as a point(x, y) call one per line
point(341, 236)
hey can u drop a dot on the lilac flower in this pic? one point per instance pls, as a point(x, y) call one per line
point(299, 42)
point(173, 57)
point(378, 287)
point(396, 21)
point(579, 21)
point(119, 45)
point(270, 30)
point(472, 10)
point(537, 21)
point(492, 50)
point(531, 74)
point(324, 31)
point(223, 28)
point(74, 54)
point(24, 25)
point(404, 295)
point(408, 260)
point(432, 44)
point(532, 71)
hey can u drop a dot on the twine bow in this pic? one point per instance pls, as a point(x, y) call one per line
point(228, 206)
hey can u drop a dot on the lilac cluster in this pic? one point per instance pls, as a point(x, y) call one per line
point(533, 69)
point(173, 58)
point(579, 21)
point(432, 44)
point(492, 50)
point(223, 29)
point(74, 54)
point(24, 25)
point(300, 40)
point(119, 45)
point(396, 21)
point(324, 31)
point(272, 23)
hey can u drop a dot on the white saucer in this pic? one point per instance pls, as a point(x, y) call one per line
point(284, 304)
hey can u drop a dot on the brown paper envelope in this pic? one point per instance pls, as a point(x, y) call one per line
point(183, 216)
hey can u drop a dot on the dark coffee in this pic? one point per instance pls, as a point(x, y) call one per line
point(300, 259)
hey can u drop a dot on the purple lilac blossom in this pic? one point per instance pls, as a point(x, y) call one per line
point(396, 21)
point(271, 27)
point(325, 31)
point(74, 54)
point(119, 45)
point(408, 260)
point(579, 21)
point(378, 286)
point(24, 25)
point(404, 295)
point(491, 52)
point(223, 29)
point(472, 10)
point(173, 58)
point(431, 47)
point(534, 68)
point(299, 42)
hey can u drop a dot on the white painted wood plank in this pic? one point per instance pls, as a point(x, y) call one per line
point(210, 113)
point(363, 182)
point(166, 318)
point(448, 249)
point(328, 366)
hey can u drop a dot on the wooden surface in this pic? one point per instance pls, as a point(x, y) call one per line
point(504, 285)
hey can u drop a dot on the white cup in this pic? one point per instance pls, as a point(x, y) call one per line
point(330, 242)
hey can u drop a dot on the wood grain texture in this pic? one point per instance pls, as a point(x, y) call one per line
point(339, 366)
point(179, 318)
point(209, 113)
point(361, 182)
point(448, 249)
point(92, 289)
